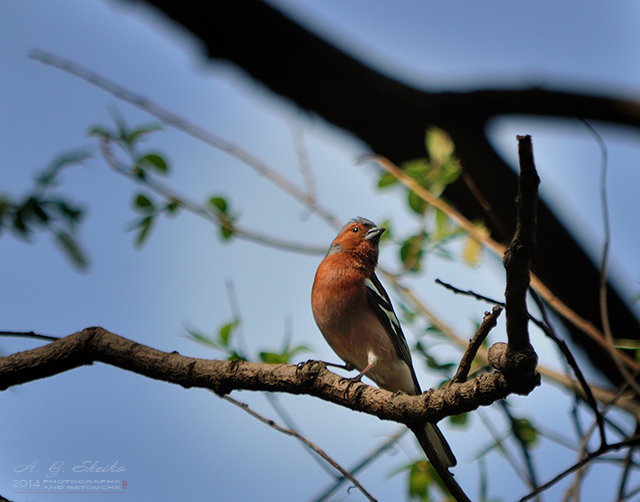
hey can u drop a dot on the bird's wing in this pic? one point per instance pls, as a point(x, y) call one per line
point(381, 305)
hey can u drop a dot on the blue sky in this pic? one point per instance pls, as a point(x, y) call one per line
point(188, 444)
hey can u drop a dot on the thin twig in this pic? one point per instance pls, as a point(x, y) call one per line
point(632, 493)
point(488, 323)
point(302, 439)
point(171, 195)
point(304, 163)
point(555, 437)
point(528, 462)
point(624, 478)
point(499, 444)
point(468, 292)
point(180, 123)
point(613, 401)
point(630, 442)
point(366, 460)
point(29, 334)
point(571, 361)
point(604, 310)
point(288, 421)
point(484, 204)
point(574, 489)
point(575, 416)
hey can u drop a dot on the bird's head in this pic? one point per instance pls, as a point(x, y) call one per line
point(360, 237)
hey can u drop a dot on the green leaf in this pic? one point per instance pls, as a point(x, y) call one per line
point(459, 420)
point(48, 176)
point(297, 350)
point(5, 205)
point(272, 358)
point(472, 250)
point(236, 356)
point(72, 250)
point(141, 131)
point(412, 252)
point(525, 432)
point(34, 207)
point(123, 134)
point(420, 476)
point(143, 203)
point(387, 180)
point(102, 132)
point(226, 233)
point(418, 169)
point(225, 333)
point(70, 213)
point(221, 207)
point(154, 161)
point(139, 172)
point(408, 315)
point(144, 230)
point(442, 225)
point(219, 203)
point(450, 172)
point(430, 361)
point(439, 145)
point(18, 224)
point(284, 357)
point(416, 204)
point(388, 233)
point(202, 339)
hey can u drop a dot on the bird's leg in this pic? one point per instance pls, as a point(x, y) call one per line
point(372, 360)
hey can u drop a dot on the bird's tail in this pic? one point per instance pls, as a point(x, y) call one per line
point(441, 457)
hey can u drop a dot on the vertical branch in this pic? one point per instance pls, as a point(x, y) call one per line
point(517, 257)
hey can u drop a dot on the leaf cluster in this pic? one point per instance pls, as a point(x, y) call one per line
point(43, 209)
point(438, 169)
point(143, 164)
point(225, 340)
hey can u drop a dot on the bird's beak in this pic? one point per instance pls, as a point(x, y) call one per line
point(374, 233)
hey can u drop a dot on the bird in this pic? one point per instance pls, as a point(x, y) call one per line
point(355, 315)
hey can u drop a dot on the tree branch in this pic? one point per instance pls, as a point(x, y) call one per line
point(488, 323)
point(518, 355)
point(96, 344)
point(517, 257)
point(627, 443)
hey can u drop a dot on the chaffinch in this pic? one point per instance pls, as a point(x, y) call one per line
point(355, 315)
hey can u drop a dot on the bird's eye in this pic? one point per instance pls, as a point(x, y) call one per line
point(355, 230)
